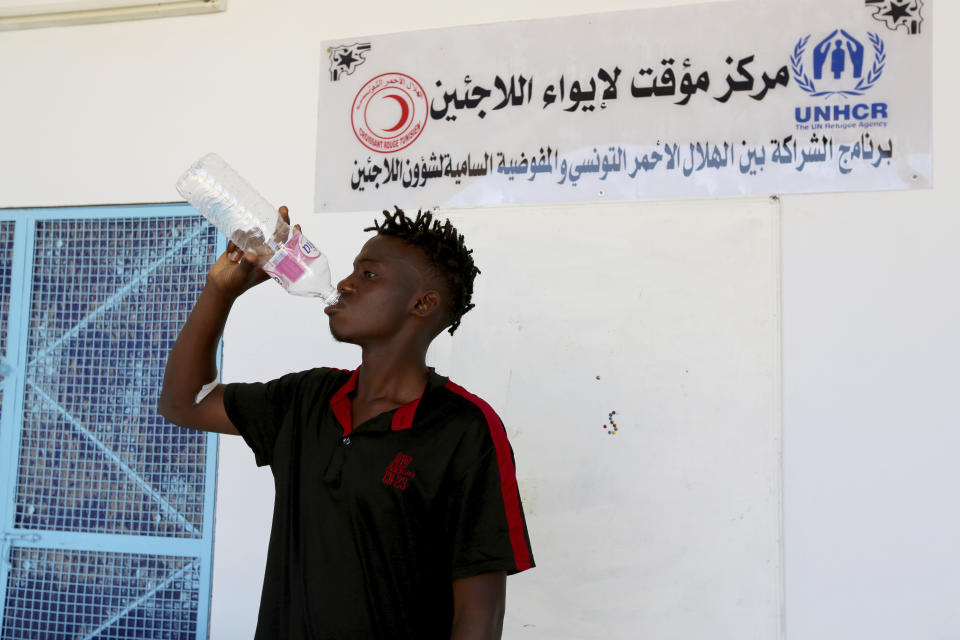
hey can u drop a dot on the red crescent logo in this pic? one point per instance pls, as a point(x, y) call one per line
point(405, 112)
point(373, 114)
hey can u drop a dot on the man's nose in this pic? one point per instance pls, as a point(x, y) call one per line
point(345, 285)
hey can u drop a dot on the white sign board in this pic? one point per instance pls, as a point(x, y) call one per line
point(739, 97)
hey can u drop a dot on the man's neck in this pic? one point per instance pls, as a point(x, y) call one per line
point(396, 376)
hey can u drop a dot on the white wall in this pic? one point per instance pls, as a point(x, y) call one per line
point(111, 113)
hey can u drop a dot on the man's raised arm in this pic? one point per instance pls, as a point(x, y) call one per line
point(192, 360)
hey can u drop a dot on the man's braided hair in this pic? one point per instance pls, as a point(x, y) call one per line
point(443, 246)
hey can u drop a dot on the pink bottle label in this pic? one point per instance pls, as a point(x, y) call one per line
point(291, 262)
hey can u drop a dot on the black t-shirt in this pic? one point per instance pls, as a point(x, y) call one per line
point(372, 523)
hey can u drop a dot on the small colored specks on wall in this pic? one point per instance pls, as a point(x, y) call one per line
point(611, 428)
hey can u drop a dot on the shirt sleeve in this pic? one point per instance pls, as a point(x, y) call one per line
point(258, 410)
point(486, 522)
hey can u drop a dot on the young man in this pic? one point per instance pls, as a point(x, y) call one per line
point(397, 513)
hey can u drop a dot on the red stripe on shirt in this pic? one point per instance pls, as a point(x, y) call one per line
point(341, 405)
point(508, 477)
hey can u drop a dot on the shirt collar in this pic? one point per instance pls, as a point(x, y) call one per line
point(402, 418)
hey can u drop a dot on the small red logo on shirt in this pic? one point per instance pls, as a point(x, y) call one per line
point(397, 475)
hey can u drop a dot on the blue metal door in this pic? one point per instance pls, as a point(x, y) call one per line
point(106, 509)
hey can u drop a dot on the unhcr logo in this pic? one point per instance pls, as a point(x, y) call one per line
point(839, 65)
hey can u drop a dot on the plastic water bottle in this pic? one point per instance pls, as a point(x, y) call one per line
point(253, 224)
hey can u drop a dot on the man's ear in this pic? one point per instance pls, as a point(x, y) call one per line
point(427, 304)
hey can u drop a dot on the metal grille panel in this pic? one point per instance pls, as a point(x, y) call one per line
point(95, 456)
point(7, 229)
point(55, 594)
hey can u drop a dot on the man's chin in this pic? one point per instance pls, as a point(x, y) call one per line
point(340, 337)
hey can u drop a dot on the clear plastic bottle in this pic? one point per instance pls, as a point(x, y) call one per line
point(253, 224)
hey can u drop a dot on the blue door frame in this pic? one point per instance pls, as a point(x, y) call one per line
point(106, 510)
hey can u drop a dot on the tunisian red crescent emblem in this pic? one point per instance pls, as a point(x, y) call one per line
point(389, 112)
